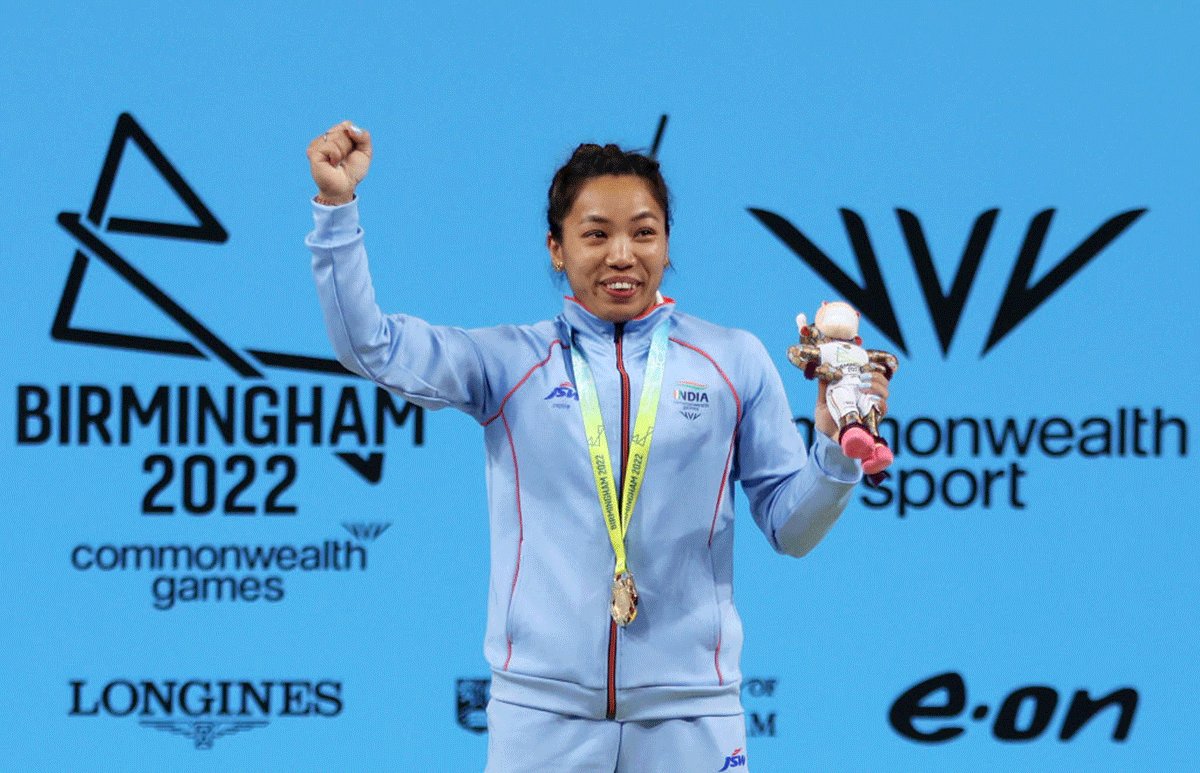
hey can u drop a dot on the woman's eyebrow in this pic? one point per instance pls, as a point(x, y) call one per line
point(593, 217)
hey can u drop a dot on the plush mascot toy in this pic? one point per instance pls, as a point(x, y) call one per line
point(830, 350)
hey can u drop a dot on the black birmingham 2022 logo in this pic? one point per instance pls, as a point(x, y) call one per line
point(213, 449)
point(346, 421)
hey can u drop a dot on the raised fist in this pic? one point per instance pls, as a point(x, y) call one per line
point(339, 159)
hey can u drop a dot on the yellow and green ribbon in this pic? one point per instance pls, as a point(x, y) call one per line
point(617, 520)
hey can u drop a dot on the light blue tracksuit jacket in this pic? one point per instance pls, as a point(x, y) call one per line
point(723, 417)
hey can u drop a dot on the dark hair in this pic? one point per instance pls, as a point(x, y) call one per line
point(590, 161)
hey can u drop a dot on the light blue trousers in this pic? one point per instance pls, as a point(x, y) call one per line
point(522, 739)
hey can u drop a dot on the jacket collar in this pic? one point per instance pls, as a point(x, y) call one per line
point(577, 318)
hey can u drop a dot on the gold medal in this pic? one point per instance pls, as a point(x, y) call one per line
point(624, 599)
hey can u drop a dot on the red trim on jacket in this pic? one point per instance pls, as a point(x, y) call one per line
point(524, 378)
point(517, 477)
point(724, 476)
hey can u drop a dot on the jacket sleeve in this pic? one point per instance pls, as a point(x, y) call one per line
point(795, 496)
point(430, 365)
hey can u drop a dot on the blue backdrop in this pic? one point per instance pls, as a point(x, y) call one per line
point(212, 539)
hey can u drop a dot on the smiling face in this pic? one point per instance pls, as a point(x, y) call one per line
point(613, 247)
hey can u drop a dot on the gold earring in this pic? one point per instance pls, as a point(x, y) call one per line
point(559, 266)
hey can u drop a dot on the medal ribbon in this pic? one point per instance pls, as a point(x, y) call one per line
point(616, 521)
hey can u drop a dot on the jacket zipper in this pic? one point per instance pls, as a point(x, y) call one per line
point(612, 627)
